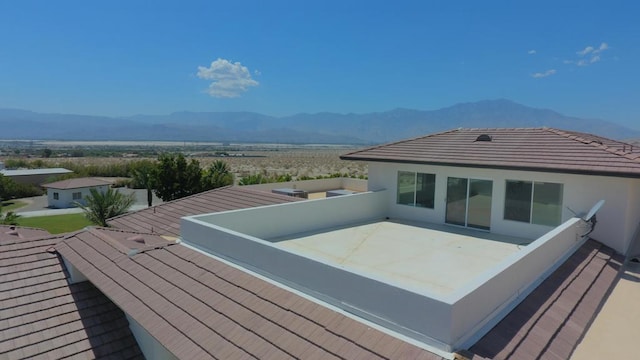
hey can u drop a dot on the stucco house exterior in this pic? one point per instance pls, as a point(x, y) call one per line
point(519, 182)
point(64, 193)
point(240, 272)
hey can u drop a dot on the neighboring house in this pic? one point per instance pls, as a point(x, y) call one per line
point(240, 273)
point(64, 194)
point(33, 176)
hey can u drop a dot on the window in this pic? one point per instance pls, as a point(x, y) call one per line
point(77, 195)
point(416, 189)
point(55, 196)
point(533, 202)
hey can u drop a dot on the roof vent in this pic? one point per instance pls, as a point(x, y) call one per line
point(483, 137)
point(13, 232)
point(136, 238)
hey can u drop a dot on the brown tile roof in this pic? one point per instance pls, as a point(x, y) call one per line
point(199, 307)
point(164, 219)
point(536, 149)
point(43, 316)
point(550, 322)
point(10, 232)
point(76, 183)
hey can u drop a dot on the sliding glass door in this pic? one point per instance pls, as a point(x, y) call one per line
point(469, 202)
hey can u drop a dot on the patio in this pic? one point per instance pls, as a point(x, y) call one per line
point(411, 255)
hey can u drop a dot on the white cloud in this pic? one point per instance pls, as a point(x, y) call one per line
point(590, 55)
point(539, 75)
point(228, 79)
point(603, 47)
point(531, 52)
point(591, 50)
point(586, 51)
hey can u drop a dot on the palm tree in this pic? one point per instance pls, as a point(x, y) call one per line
point(217, 175)
point(101, 206)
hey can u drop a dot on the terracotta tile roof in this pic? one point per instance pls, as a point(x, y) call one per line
point(10, 232)
point(550, 322)
point(76, 183)
point(164, 219)
point(199, 307)
point(43, 316)
point(537, 149)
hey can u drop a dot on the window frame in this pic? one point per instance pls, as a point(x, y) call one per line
point(76, 195)
point(430, 199)
point(532, 218)
point(56, 195)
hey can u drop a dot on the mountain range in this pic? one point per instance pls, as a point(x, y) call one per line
point(319, 128)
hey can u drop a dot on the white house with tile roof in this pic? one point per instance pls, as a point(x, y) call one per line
point(274, 287)
point(520, 182)
point(524, 191)
point(65, 193)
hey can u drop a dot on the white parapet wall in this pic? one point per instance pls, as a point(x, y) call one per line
point(448, 322)
point(317, 185)
point(480, 305)
point(272, 221)
point(238, 237)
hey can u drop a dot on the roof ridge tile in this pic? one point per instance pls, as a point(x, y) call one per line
point(109, 240)
point(599, 143)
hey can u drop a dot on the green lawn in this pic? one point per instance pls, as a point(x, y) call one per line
point(12, 205)
point(56, 224)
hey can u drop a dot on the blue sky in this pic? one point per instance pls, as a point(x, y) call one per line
point(279, 58)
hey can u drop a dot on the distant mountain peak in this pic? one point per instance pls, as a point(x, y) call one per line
point(324, 127)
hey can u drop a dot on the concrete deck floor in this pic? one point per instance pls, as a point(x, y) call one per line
point(417, 256)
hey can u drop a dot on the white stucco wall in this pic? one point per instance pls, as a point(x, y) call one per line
point(65, 196)
point(489, 298)
point(633, 216)
point(317, 185)
point(75, 276)
point(150, 347)
point(299, 217)
point(617, 220)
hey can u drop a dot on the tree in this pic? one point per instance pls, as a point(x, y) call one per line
point(9, 189)
point(145, 177)
point(253, 180)
point(46, 153)
point(217, 175)
point(7, 186)
point(8, 218)
point(177, 178)
point(101, 206)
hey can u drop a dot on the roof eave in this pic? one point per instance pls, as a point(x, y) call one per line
point(500, 167)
